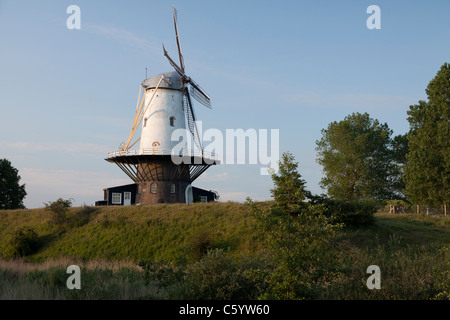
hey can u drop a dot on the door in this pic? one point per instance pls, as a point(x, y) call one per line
point(189, 195)
point(127, 198)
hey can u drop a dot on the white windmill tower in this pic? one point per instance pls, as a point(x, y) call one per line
point(165, 106)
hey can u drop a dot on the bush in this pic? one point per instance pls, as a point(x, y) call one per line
point(215, 277)
point(58, 210)
point(24, 242)
point(355, 213)
point(218, 277)
point(200, 243)
point(160, 273)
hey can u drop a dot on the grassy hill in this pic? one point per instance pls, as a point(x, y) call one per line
point(411, 250)
point(170, 231)
point(163, 231)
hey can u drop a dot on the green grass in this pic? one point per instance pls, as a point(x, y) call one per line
point(409, 229)
point(411, 250)
point(157, 232)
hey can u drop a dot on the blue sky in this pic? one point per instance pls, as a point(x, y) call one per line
point(67, 97)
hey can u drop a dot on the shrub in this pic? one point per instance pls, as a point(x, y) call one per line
point(354, 213)
point(59, 210)
point(162, 274)
point(215, 277)
point(218, 277)
point(167, 280)
point(24, 242)
point(200, 243)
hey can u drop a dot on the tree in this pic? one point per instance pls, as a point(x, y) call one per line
point(11, 192)
point(58, 210)
point(289, 191)
point(298, 235)
point(400, 149)
point(427, 172)
point(358, 159)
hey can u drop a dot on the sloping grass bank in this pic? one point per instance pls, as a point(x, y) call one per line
point(158, 232)
point(411, 250)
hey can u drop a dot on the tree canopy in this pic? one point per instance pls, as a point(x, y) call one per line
point(427, 170)
point(358, 159)
point(11, 192)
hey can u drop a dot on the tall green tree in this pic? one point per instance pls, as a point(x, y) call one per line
point(358, 160)
point(298, 235)
point(400, 149)
point(427, 171)
point(12, 192)
point(289, 188)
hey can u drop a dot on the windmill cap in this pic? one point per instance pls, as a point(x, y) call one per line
point(172, 80)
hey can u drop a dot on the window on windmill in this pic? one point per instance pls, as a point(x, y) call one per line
point(145, 122)
point(153, 188)
point(172, 188)
point(155, 146)
point(172, 121)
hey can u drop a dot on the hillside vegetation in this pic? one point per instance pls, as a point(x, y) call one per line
point(110, 244)
point(162, 231)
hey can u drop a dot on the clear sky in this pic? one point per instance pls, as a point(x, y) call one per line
point(67, 97)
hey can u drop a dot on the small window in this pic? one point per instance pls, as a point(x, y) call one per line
point(155, 146)
point(116, 198)
point(145, 122)
point(203, 199)
point(153, 188)
point(172, 121)
point(172, 188)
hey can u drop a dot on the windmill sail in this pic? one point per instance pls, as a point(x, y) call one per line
point(178, 38)
point(190, 116)
point(200, 95)
point(175, 66)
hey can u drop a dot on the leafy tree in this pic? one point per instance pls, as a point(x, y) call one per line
point(358, 159)
point(289, 191)
point(427, 172)
point(400, 149)
point(298, 234)
point(58, 210)
point(11, 192)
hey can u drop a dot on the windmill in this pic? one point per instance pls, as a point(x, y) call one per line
point(165, 104)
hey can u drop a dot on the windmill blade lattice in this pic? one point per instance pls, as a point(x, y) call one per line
point(190, 117)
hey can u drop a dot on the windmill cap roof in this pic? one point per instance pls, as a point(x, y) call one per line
point(172, 80)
